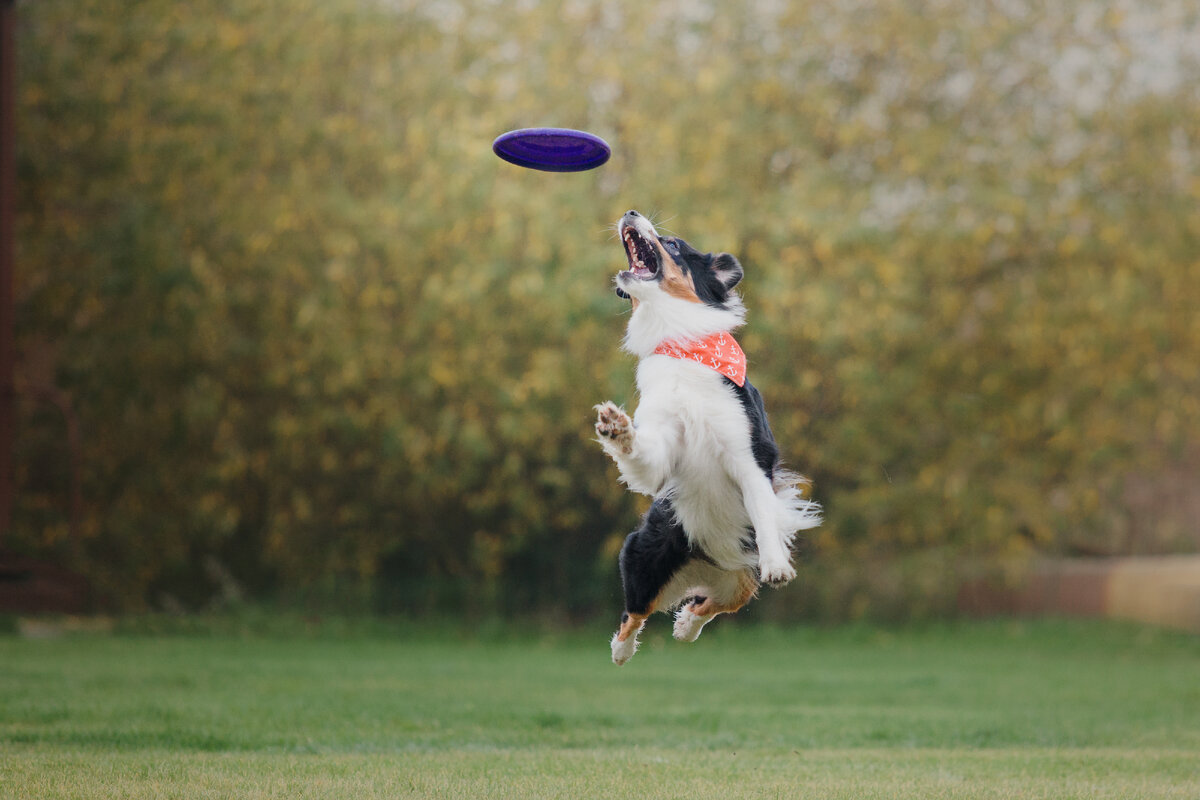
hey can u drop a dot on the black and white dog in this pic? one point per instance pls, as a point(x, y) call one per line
point(724, 511)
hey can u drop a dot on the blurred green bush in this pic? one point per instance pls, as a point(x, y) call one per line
point(318, 341)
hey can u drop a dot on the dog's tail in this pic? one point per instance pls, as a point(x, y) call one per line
point(796, 512)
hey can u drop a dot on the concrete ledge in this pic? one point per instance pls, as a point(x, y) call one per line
point(1161, 590)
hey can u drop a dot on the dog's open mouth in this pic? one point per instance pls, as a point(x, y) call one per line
point(643, 257)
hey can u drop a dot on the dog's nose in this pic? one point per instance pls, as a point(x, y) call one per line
point(632, 213)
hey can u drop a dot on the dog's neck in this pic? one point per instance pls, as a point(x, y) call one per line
point(662, 318)
point(719, 352)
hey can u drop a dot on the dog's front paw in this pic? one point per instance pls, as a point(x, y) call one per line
point(776, 573)
point(614, 426)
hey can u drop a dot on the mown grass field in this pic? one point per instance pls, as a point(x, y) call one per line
point(1029, 710)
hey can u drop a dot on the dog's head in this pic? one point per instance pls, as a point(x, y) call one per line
point(670, 267)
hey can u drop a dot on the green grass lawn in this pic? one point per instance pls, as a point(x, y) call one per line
point(1054, 710)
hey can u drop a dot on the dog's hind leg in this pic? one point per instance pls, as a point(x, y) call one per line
point(651, 556)
point(690, 620)
point(624, 642)
point(707, 602)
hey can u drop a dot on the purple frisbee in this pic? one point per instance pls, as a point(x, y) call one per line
point(552, 149)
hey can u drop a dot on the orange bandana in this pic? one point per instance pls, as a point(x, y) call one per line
point(718, 352)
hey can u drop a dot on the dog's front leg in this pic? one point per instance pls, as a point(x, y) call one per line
point(643, 455)
point(774, 560)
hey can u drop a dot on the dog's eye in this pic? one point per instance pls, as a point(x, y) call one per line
point(672, 246)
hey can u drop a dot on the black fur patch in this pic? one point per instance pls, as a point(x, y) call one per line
point(652, 555)
point(714, 276)
point(762, 441)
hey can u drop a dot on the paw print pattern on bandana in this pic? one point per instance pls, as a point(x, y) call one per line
point(719, 352)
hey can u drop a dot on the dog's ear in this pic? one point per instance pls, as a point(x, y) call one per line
point(727, 270)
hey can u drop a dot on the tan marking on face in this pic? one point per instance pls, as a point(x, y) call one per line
point(675, 281)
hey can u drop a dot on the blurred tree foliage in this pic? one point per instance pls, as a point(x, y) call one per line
point(314, 335)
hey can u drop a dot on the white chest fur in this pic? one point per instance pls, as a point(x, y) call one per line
point(706, 454)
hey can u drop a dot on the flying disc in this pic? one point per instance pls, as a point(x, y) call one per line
point(552, 149)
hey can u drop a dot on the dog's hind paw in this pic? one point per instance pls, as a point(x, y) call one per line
point(622, 651)
point(614, 427)
point(688, 625)
point(776, 573)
